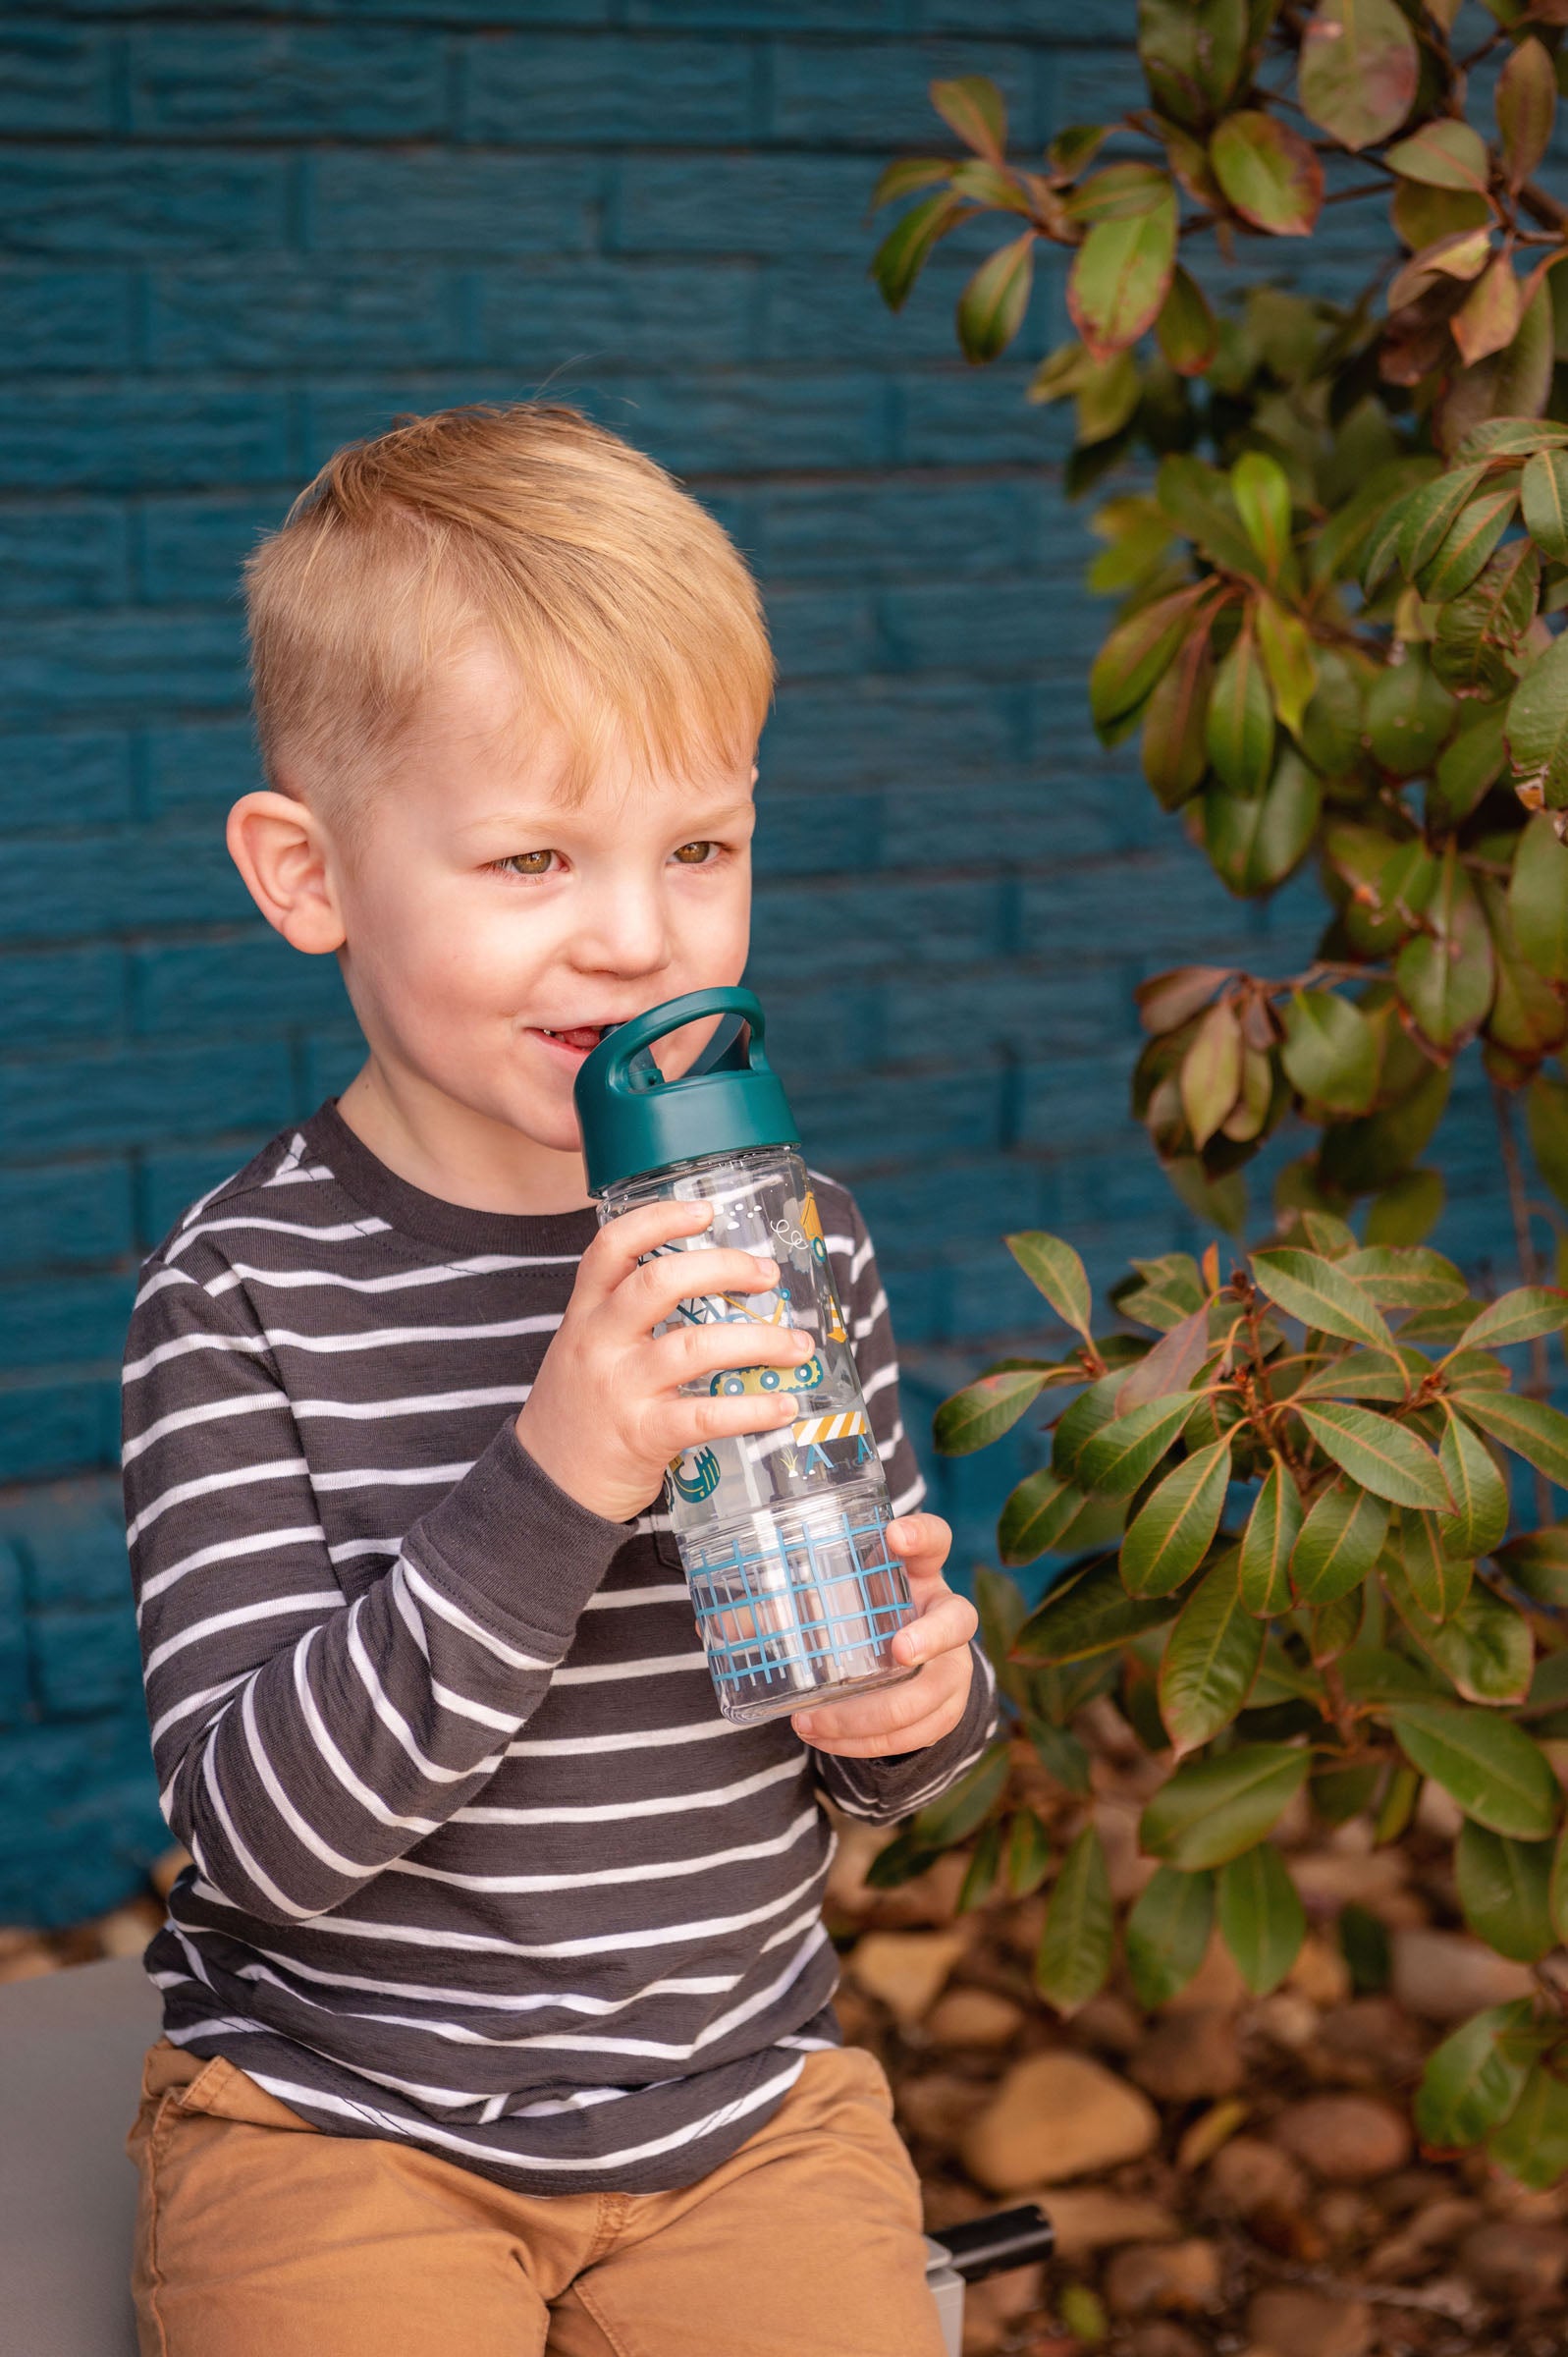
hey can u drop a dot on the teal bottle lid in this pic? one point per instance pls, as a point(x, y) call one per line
point(635, 1122)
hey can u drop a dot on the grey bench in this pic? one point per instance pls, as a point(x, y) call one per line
point(70, 2050)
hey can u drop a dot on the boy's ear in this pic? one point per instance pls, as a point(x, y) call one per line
point(281, 850)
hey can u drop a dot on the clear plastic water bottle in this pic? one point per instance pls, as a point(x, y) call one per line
point(782, 1532)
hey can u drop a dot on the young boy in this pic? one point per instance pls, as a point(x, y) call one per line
point(498, 2000)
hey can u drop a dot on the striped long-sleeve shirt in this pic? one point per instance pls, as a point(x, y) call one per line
point(478, 1864)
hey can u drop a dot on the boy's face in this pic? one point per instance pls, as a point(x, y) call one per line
point(491, 931)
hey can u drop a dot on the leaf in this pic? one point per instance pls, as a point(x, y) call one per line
point(1211, 1657)
point(1268, 173)
point(1289, 660)
point(1331, 1052)
point(1212, 1809)
point(908, 176)
point(980, 1875)
point(1537, 1563)
point(1529, 1427)
point(1026, 1853)
point(1338, 1543)
point(1475, 2078)
point(1405, 1277)
point(1363, 1155)
point(1419, 1570)
point(1471, 762)
point(1330, 725)
point(1547, 1111)
point(1262, 1919)
point(1359, 69)
point(1309, 1287)
point(1538, 725)
point(1410, 715)
point(1408, 1210)
point(1120, 277)
point(1185, 328)
point(967, 1803)
point(1055, 1270)
point(1517, 1317)
point(1087, 1614)
point(1262, 493)
point(1272, 1528)
point(991, 307)
point(1443, 154)
point(1169, 1289)
point(1470, 543)
point(1041, 1510)
point(905, 249)
point(1075, 146)
point(1135, 655)
point(984, 1410)
point(1383, 1456)
point(1477, 1487)
point(1175, 725)
point(1094, 1408)
point(1428, 514)
point(1198, 500)
point(1192, 52)
point(1484, 1762)
point(1527, 101)
point(1211, 1073)
point(1074, 1954)
point(1253, 844)
point(1125, 1451)
point(1488, 320)
point(1544, 488)
point(1462, 254)
point(1167, 1934)
point(1512, 438)
point(975, 109)
point(1502, 1889)
point(1241, 721)
point(1447, 976)
point(1121, 192)
point(1478, 640)
point(1532, 2143)
point(1484, 1647)
point(1171, 1364)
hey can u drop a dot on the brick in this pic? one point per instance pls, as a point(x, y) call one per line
point(53, 77)
point(63, 994)
point(916, 1211)
point(823, 634)
point(168, 1182)
point(16, 1699)
point(753, 203)
point(1068, 1102)
point(122, 661)
point(985, 1292)
point(976, 417)
point(56, 1427)
point(814, 1033)
point(813, 834)
point(142, 1096)
point(250, 982)
point(279, 315)
point(438, 202)
point(826, 308)
point(198, 768)
point(807, 931)
point(192, 548)
point(991, 628)
point(73, 554)
point(55, 1214)
point(613, 314)
point(1015, 821)
point(52, 1321)
point(67, 318)
point(139, 202)
point(72, 779)
point(876, 94)
point(1008, 1008)
point(920, 730)
point(772, 15)
point(896, 529)
point(150, 437)
point(286, 81)
point(78, 1820)
point(539, 90)
point(1096, 84)
point(328, 1062)
point(85, 1664)
point(1163, 905)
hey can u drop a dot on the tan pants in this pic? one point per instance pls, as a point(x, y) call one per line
point(258, 2235)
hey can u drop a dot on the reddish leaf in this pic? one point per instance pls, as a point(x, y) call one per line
point(1175, 749)
point(974, 108)
point(1443, 154)
point(1489, 319)
point(1167, 1001)
point(992, 305)
point(1527, 101)
point(1359, 69)
point(1211, 1073)
point(1188, 335)
point(1120, 275)
point(1268, 174)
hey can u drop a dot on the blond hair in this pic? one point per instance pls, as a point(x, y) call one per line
point(623, 607)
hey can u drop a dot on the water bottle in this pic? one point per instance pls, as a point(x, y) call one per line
point(783, 1533)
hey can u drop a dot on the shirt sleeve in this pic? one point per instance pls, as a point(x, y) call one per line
point(882, 1790)
point(303, 1741)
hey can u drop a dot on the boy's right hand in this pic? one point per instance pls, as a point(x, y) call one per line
point(607, 1413)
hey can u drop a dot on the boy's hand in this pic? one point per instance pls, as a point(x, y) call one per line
point(607, 1413)
point(922, 1709)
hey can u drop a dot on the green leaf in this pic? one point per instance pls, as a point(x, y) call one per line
point(1527, 101)
point(906, 248)
point(1289, 661)
point(909, 174)
point(965, 1804)
point(1211, 1659)
point(1338, 1542)
point(1125, 1451)
point(1121, 275)
point(1135, 655)
point(1558, 1888)
point(1171, 1534)
point(1311, 1288)
point(1546, 1113)
point(1405, 1277)
point(1330, 1053)
point(1212, 1809)
point(1330, 725)
point(1537, 1563)
point(1121, 192)
point(1175, 721)
point(1075, 146)
point(1532, 2143)
point(1469, 765)
point(1088, 1615)
point(1359, 1155)
point(1429, 515)
point(1241, 720)
point(900, 1862)
point(1475, 2078)
point(1185, 327)
point(1502, 1889)
point(1537, 898)
point(1485, 1646)
point(1168, 1288)
point(1192, 52)
point(1486, 1764)
point(1475, 532)
point(1055, 1270)
point(1211, 1072)
point(1443, 154)
point(1262, 1919)
point(1479, 636)
point(984, 1410)
point(1422, 1577)
point(1383, 1456)
point(1268, 173)
point(1001, 1610)
point(1447, 976)
point(1262, 492)
point(975, 109)
point(1075, 1955)
point(1359, 69)
point(1199, 501)
point(1272, 1528)
point(1529, 1427)
point(1167, 1934)
point(1094, 1408)
point(1512, 438)
point(1545, 491)
point(1477, 1487)
point(1538, 725)
point(1517, 1317)
point(1027, 1853)
point(1254, 844)
point(991, 307)
point(1410, 715)
point(980, 1875)
point(1040, 1512)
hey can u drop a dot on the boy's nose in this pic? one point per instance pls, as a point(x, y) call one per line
point(625, 934)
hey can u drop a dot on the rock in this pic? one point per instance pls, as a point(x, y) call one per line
point(1309, 2323)
point(857, 2016)
point(1435, 2228)
point(26, 1960)
point(170, 1864)
point(1320, 1973)
point(1213, 2128)
point(1091, 2218)
point(1523, 2264)
point(1149, 2279)
point(905, 1969)
point(975, 2017)
point(126, 1931)
point(1109, 2023)
point(1287, 2018)
point(937, 2105)
point(1217, 1982)
point(848, 1892)
point(1056, 2115)
point(1189, 2055)
point(1438, 1812)
point(1349, 2139)
point(1163, 2338)
point(1116, 1821)
point(1446, 1976)
point(989, 2308)
point(1330, 1878)
point(1248, 2175)
point(1370, 2040)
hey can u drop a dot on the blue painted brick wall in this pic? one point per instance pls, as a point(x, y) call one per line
point(235, 238)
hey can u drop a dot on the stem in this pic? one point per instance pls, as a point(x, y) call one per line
point(1540, 1383)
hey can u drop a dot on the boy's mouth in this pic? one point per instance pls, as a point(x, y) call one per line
point(580, 1038)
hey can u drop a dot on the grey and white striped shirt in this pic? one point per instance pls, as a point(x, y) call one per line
point(478, 1864)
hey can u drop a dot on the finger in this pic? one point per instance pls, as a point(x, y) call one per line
point(685, 1423)
point(919, 1537)
point(945, 1626)
point(699, 1353)
point(648, 1295)
point(889, 1710)
point(621, 1243)
point(887, 1744)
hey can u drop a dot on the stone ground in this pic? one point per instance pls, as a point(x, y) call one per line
point(1234, 2177)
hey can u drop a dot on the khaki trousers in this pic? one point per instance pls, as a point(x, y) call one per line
point(259, 2235)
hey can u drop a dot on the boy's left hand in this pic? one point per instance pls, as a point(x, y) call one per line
point(919, 1710)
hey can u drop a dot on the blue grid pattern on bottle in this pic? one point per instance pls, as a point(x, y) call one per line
point(783, 1616)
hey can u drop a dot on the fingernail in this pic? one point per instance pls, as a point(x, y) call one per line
point(766, 1268)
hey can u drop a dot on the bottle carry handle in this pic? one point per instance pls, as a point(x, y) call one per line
point(624, 1056)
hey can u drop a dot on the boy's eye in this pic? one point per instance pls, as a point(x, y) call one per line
point(526, 863)
point(696, 854)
